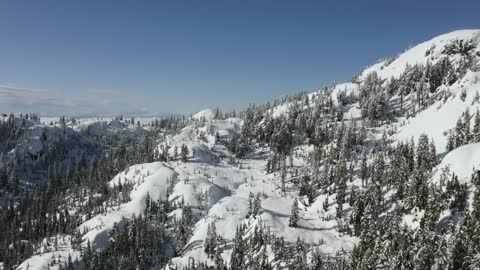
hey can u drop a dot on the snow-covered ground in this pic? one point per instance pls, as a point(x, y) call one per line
point(461, 162)
point(54, 249)
point(229, 212)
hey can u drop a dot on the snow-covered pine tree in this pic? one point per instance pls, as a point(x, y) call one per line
point(237, 257)
point(184, 153)
point(294, 214)
point(211, 240)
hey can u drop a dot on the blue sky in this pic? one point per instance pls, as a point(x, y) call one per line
point(83, 57)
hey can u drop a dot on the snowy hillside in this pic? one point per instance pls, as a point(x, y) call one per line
point(460, 162)
point(366, 174)
point(205, 115)
point(430, 51)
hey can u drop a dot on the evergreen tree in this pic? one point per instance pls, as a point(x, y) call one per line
point(257, 205)
point(294, 214)
point(300, 256)
point(211, 240)
point(184, 153)
point(476, 127)
point(237, 258)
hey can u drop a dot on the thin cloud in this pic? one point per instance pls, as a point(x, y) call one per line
point(52, 103)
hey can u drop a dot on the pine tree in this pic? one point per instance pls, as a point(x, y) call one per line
point(441, 256)
point(250, 205)
point(364, 169)
point(317, 260)
point(13, 181)
point(184, 153)
point(237, 258)
point(424, 258)
point(433, 155)
point(294, 215)
point(211, 240)
point(175, 152)
point(466, 125)
point(458, 256)
point(257, 205)
point(306, 189)
point(463, 95)
point(459, 133)
point(451, 141)
point(300, 256)
point(476, 127)
point(432, 210)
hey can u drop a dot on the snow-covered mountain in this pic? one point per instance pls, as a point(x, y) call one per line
point(30, 147)
point(431, 89)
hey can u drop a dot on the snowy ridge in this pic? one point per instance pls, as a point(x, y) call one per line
point(429, 51)
point(207, 114)
point(148, 179)
point(334, 91)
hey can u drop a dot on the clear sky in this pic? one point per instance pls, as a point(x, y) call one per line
point(182, 56)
